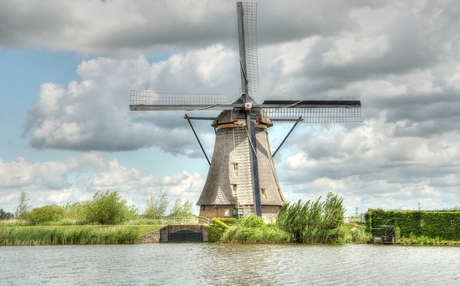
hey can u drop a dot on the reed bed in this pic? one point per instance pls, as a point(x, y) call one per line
point(314, 221)
point(67, 235)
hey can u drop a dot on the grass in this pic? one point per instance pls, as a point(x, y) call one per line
point(424, 240)
point(266, 235)
point(355, 232)
point(72, 234)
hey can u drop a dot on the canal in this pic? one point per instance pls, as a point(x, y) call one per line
point(228, 264)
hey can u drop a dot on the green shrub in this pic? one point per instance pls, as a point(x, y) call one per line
point(76, 211)
point(108, 208)
point(216, 230)
point(240, 234)
point(48, 213)
point(253, 221)
point(228, 220)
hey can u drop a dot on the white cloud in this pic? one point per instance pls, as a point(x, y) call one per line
point(50, 182)
point(348, 50)
point(19, 173)
point(92, 114)
point(399, 58)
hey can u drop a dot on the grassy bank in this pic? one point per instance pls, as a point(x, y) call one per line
point(72, 234)
point(423, 240)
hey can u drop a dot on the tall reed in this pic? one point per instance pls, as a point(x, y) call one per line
point(313, 222)
point(54, 235)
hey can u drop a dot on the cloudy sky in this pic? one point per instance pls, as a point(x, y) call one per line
point(66, 68)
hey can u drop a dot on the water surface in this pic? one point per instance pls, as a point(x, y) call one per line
point(227, 264)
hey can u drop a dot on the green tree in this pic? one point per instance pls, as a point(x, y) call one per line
point(46, 213)
point(180, 209)
point(156, 207)
point(5, 215)
point(76, 211)
point(109, 208)
point(24, 208)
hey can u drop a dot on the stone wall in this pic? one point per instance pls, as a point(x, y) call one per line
point(151, 237)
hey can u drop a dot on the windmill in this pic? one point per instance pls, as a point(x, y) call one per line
point(242, 177)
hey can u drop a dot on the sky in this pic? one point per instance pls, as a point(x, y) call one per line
point(66, 69)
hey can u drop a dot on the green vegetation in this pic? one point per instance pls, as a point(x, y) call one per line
point(5, 215)
point(107, 219)
point(310, 222)
point(156, 207)
point(53, 235)
point(424, 240)
point(355, 232)
point(24, 208)
point(181, 209)
point(108, 208)
point(254, 230)
point(314, 222)
point(216, 230)
point(437, 225)
point(45, 214)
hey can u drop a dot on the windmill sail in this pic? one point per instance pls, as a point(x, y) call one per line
point(247, 34)
point(141, 100)
point(314, 111)
point(242, 177)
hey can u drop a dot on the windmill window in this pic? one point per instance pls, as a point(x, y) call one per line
point(234, 189)
point(235, 167)
point(264, 192)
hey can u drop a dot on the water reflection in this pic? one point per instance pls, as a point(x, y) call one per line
point(209, 264)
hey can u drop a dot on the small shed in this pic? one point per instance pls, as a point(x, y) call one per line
point(385, 234)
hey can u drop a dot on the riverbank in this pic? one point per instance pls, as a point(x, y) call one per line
point(19, 233)
point(73, 234)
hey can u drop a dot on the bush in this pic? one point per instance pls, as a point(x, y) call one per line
point(229, 220)
point(46, 213)
point(254, 230)
point(76, 212)
point(108, 208)
point(253, 221)
point(216, 230)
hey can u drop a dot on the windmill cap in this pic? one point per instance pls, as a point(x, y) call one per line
point(228, 117)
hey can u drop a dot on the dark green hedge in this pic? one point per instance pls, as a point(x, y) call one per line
point(441, 224)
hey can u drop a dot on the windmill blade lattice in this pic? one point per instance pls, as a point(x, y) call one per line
point(250, 45)
point(141, 100)
point(314, 111)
